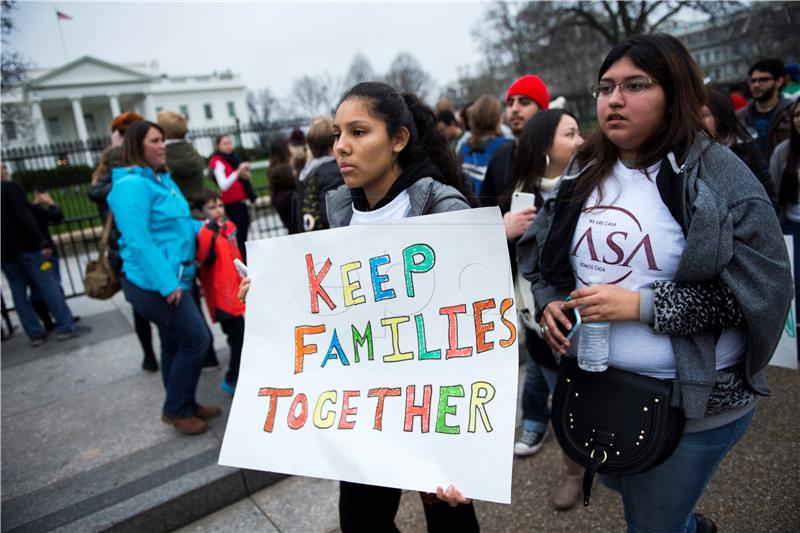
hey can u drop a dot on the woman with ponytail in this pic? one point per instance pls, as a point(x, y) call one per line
point(395, 165)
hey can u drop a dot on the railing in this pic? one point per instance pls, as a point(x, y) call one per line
point(77, 242)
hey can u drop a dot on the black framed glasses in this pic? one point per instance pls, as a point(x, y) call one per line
point(636, 85)
point(761, 79)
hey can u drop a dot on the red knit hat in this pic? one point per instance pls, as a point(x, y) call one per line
point(533, 87)
point(738, 102)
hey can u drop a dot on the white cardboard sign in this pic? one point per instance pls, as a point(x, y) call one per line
point(382, 354)
point(786, 353)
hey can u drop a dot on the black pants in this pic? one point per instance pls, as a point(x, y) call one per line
point(211, 355)
point(233, 326)
point(367, 508)
point(238, 214)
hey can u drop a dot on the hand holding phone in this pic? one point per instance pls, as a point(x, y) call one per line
point(240, 268)
point(573, 316)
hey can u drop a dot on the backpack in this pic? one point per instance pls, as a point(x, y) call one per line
point(311, 210)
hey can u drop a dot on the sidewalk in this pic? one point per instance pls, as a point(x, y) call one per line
point(83, 449)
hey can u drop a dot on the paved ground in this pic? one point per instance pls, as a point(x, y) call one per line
point(82, 443)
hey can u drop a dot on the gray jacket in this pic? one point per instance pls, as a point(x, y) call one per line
point(732, 235)
point(427, 197)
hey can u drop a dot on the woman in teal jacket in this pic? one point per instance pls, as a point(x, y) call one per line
point(157, 247)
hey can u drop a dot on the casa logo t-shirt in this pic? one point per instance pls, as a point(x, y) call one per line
point(629, 238)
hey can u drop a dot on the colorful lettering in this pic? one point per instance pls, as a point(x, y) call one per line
point(273, 394)
point(330, 417)
point(423, 349)
point(422, 411)
point(477, 405)
point(482, 328)
point(349, 286)
point(315, 284)
point(344, 423)
point(428, 259)
point(298, 421)
point(445, 393)
point(381, 394)
point(505, 305)
point(359, 340)
point(301, 350)
point(396, 355)
point(337, 347)
point(379, 279)
point(453, 350)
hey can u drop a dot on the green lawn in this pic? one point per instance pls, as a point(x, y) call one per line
point(75, 202)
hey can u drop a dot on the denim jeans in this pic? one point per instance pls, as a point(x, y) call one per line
point(661, 499)
point(184, 341)
point(539, 383)
point(25, 271)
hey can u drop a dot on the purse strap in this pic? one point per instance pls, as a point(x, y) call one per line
point(106, 233)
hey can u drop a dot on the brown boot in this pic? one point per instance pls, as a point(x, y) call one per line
point(570, 489)
point(188, 425)
point(208, 411)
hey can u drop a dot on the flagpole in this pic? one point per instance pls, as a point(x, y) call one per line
point(61, 33)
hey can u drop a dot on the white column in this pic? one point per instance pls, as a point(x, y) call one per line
point(39, 127)
point(115, 109)
point(80, 123)
point(149, 107)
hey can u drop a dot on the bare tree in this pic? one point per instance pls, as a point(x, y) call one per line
point(14, 64)
point(262, 106)
point(406, 75)
point(316, 95)
point(360, 70)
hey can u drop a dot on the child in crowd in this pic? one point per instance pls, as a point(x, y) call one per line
point(216, 250)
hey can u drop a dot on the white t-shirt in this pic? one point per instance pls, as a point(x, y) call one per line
point(632, 240)
point(397, 209)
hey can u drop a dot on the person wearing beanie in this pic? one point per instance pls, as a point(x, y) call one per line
point(184, 163)
point(525, 97)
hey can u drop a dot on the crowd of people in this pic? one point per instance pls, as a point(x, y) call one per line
point(710, 180)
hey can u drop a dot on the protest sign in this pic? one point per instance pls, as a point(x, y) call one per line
point(383, 354)
point(786, 353)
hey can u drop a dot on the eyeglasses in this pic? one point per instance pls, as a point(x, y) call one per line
point(605, 89)
point(762, 79)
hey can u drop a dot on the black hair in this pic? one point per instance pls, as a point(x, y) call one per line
point(133, 143)
point(278, 150)
point(788, 189)
point(771, 65)
point(446, 116)
point(535, 140)
point(203, 196)
point(424, 140)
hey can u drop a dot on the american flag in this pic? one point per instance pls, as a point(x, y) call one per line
point(62, 16)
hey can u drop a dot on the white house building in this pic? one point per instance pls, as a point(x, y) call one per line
point(77, 101)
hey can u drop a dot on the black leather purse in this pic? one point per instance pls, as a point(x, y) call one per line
point(614, 422)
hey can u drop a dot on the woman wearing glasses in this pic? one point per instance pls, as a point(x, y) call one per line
point(686, 245)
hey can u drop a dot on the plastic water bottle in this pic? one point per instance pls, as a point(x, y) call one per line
point(593, 342)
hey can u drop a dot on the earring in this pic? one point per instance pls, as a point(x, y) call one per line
point(546, 160)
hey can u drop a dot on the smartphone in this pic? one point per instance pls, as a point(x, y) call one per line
point(240, 268)
point(522, 200)
point(575, 317)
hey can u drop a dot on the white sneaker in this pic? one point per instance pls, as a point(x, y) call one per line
point(530, 442)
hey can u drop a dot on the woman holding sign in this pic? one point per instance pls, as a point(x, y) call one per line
point(668, 237)
point(395, 165)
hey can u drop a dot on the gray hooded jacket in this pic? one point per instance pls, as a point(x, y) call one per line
point(426, 195)
point(733, 235)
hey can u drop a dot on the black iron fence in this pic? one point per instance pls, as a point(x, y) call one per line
point(249, 137)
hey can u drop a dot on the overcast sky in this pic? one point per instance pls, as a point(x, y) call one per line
point(269, 43)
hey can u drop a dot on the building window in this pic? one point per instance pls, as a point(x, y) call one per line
point(10, 130)
point(184, 109)
point(54, 126)
point(231, 110)
point(89, 120)
point(207, 109)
